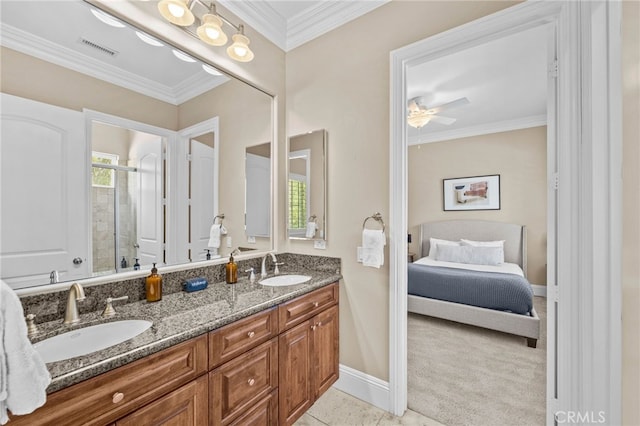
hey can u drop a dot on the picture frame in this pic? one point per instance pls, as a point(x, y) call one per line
point(471, 193)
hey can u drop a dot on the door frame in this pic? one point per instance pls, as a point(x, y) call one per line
point(588, 326)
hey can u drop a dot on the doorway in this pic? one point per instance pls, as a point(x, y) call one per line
point(583, 164)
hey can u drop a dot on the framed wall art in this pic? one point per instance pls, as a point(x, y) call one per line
point(471, 193)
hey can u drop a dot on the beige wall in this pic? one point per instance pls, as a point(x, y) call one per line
point(519, 157)
point(631, 214)
point(244, 118)
point(28, 77)
point(340, 82)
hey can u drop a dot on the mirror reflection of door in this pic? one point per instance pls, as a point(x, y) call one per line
point(307, 186)
point(42, 228)
point(203, 193)
point(258, 191)
point(126, 198)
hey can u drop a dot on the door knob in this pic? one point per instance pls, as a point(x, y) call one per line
point(77, 261)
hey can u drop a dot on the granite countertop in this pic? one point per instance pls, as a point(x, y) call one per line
point(176, 318)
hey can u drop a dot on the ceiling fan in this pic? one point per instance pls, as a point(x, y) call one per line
point(419, 114)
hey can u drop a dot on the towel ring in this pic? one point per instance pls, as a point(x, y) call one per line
point(220, 216)
point(377, 217)
point(312, 218)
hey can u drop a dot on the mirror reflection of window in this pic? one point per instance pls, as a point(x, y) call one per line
point(299, 192)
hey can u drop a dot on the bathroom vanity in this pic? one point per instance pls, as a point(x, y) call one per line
point(228, 355)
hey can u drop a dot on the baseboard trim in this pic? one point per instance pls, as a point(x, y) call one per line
point(539, 290)
point(363, 386)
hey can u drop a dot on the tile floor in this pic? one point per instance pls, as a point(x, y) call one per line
point(336, 408)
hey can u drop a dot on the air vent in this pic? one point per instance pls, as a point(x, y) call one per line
point(98, 47)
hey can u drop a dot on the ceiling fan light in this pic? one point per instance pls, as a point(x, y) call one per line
point(211, 30)
point(418, 121)
point(177, 12)
point(239, 50)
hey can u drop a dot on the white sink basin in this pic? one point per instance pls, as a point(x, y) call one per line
point(282, 280)
point(89, 339)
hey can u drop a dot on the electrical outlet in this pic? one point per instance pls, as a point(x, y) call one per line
point(320, 244)
point(229, 242)
point(251, 239)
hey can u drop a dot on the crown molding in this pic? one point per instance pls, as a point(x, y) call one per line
point(324, 17)
point(303, 27)
point(481, 129)
point(38, 47)
point(261, 17)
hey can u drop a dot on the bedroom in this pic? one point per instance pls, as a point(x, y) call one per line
point(500, 137)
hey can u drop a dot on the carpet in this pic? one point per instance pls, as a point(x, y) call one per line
point(465, 375)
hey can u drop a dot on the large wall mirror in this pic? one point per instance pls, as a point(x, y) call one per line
point(307, 186)
point(118, 150)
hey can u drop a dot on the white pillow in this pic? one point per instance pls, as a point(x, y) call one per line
point(434, 242)
point(499, 244)
point(470, 254)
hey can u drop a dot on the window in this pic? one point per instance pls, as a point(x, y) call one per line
point(102, 176)
point(297, 203)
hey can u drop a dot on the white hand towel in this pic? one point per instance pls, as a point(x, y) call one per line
point(214, 235)
point(373, 242)
point(23, 376)
point(311, 229)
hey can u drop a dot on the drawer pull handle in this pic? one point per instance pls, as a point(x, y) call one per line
point(319, 323)
point(251, 334)
point(117, 397)
point(313, 327)
point(315, 304)
point(251, 382)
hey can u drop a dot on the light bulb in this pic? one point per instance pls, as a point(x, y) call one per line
point(240, 51)
point(175, 10)
point(211, 33)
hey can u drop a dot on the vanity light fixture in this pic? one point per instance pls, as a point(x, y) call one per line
point(182, 56)
point(107, 19)
point(148, 39)
point(211, 29)
point(177, 12)
point(239, 50)
point(208, 27)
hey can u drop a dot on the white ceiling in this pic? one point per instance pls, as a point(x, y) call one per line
point(504, 80)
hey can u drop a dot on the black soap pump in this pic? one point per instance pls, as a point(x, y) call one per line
point(123, 262)
point(136, 266)
point(208, 254)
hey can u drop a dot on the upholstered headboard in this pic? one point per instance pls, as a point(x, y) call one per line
point(514, 236)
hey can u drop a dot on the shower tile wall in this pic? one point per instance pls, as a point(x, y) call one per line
point(104, 225)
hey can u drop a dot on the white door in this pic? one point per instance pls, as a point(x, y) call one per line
point(203, 197)
point(258, 196)
point(150, 218)
point(44, 187)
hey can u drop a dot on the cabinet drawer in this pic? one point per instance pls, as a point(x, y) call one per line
point(239, 384)
point(304, 307)
point(112, 395)
point(187, 405)
point(264, 413)
point(237, 338)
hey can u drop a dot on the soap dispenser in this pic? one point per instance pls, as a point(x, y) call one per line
point(232, 270)
point(136, 266)
point(154, 285)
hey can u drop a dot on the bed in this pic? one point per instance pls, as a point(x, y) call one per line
point(494, 296)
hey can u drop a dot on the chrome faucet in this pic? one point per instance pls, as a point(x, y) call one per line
point(54, 277)
point(263, 269)
point(76, 294)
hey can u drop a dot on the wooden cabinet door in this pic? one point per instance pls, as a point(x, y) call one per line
point(325, 350)
point(295, 392)
point(242, 382)
point(185, 406)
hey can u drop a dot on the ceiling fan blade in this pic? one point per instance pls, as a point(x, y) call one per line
point(413, 105)
point(448, 105)
point(442, 120)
